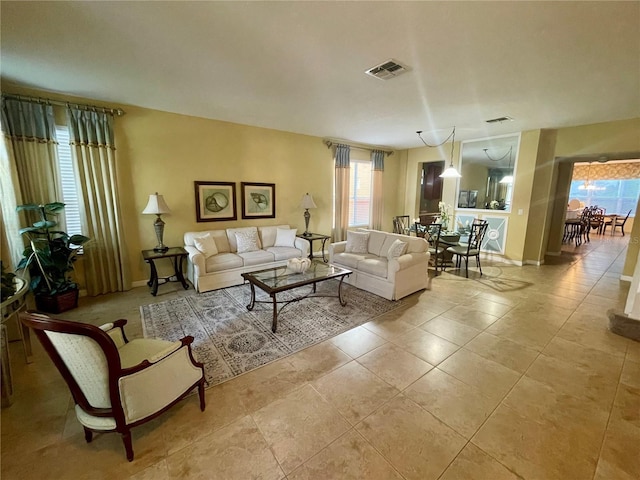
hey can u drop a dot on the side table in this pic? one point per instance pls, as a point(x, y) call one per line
point(176, 255)
point(11, 308)
point(315, 236)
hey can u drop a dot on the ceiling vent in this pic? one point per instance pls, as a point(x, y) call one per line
point(387, 70)
point(499, 120)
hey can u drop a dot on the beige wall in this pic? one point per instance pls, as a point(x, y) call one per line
point(414, 159)
point(474, 177)
point(165, 152)
point(542, 199)
point(599, 138)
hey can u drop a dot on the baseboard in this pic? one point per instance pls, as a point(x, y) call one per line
point(554, 254)
point(626, 278)
point(139, 283)
point(537, 263)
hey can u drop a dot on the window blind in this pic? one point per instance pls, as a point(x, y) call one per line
point(69, 181)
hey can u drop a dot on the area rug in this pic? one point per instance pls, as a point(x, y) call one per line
point(230, 340)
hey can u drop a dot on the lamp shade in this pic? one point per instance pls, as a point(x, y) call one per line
point(450, 172)
point(307, 202)
point(156, 205)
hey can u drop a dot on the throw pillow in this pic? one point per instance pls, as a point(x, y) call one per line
point(397, 248)
point(206, 244)
point(357, 242)
point(285, 237)
point(247, 241)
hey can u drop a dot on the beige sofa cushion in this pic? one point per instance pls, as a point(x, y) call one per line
point(357, 242)
point(219, 236)
point(376, 240)
point(233, 239)
point(256, 257)
point(223, 261)
point(206, 244)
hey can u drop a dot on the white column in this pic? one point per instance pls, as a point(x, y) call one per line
point(632, 308)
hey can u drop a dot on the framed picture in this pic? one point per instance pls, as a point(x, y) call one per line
point(258, 200)
point(473, 198)
point(215, 201)
point(463, 199)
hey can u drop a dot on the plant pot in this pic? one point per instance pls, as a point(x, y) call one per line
point(58, 303)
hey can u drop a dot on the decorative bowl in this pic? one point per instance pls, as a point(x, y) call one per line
point(298, 265)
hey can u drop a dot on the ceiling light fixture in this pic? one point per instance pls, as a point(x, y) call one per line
point(451, 171)
point(587, 185)
point(486, 152)
point(508, 178)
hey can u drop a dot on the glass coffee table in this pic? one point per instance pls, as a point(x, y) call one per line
point(281, 279)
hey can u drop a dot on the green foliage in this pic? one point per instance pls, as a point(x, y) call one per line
point(50, 254)
point(8, 285)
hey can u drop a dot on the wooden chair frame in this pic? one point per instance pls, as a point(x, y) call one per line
point(42, 323)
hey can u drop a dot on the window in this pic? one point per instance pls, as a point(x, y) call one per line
point(615, 196)
point(360, 193)
point(69, 181)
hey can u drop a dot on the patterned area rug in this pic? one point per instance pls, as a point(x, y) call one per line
point(230, 340)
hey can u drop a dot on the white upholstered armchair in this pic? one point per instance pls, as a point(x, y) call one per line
point(117, 384)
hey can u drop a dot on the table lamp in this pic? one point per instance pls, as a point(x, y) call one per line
point(157, 206)
point(307, 203)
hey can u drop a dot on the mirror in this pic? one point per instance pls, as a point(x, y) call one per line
point(487, 167)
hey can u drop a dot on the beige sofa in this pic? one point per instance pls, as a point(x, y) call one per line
point(224, 267)
point(379, 266)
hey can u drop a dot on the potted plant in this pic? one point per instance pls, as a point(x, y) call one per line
point(8, 283)
point(49, 258)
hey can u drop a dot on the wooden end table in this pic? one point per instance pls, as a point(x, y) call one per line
point(177, 255)
point(311, 238)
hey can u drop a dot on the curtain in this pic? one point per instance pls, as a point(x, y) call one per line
point(377, 159)
point(28, 166)
point(341, 207)
point(94, 155)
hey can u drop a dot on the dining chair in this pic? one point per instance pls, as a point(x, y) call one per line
point(401, 224)
point(472, 248)
point(420, 229)
point(597, 219)
point(117, 384)
point(436, 250)
point(614, 223)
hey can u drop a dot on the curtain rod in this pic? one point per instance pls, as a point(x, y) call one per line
point(329, 142)
point(116, 111)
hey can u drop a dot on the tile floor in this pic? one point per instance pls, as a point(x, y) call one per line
point(505, 376)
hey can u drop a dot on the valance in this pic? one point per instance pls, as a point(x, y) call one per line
point(606, 171)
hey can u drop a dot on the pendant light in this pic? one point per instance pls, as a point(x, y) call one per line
point(509, 177)
point(451, 171)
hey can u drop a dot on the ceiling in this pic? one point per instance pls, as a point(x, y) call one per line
point(299, 66)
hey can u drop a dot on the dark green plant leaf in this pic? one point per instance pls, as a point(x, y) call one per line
point(45, 224)
point(54, 207)
point(27, 207)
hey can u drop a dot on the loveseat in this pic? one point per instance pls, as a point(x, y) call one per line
point(387, 264)
point(217, 258)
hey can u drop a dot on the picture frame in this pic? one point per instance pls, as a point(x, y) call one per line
point(215, 201)
point(258, 200)
point(463, 199)
point(473, 198)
